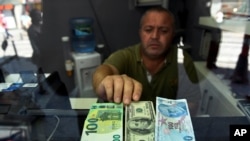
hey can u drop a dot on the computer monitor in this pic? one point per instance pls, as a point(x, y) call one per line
point(51, 93)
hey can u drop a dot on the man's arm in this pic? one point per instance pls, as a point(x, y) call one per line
point(110, 85)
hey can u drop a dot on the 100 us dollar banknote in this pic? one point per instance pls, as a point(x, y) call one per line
point(173, 121)
point(104, 122)
point(140, 121)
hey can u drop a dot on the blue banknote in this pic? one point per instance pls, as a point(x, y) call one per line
point(173, 121)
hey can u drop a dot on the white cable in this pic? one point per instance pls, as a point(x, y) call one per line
point(54, 130)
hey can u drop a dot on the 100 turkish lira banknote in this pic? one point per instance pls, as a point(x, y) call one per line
point(173, 121)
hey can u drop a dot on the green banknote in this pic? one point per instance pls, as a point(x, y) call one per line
point(140, 121)
point(104, 122)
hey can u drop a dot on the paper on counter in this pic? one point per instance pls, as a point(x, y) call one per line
point(82, 103)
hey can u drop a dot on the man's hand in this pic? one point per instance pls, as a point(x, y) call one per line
point(119, 88)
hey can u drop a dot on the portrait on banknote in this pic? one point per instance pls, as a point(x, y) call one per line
point(141, 126)
point(109, 115)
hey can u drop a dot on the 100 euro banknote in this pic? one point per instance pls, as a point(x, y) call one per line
point(173, 121)
point(104, 122)
point(140, 121)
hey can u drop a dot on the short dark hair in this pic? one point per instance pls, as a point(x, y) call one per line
point(158, 9)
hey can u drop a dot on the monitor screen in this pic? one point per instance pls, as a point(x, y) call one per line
point(52, 93)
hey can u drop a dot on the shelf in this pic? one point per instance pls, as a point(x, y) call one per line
point(236, 24)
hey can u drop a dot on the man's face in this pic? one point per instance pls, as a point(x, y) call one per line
point(156, 33)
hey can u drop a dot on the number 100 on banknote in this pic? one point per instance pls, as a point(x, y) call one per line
point(104, 122)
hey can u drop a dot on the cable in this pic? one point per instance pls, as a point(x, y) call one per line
point(54, 130)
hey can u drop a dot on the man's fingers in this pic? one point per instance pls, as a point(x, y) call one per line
point(102, 92)
point(118, 88)
point(127, 89)
point(137, 91)
point(108, 85)
point(121, 88)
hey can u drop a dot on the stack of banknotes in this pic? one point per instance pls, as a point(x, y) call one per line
point(104, 122)
point(173, 121)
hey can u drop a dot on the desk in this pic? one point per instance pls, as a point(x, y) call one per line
point(70, 127)
point(67, 123)
point(67, 127)
point(56, 113)
point(16, 78)
point(70, 124)
point(76, 103)
point(205, 128)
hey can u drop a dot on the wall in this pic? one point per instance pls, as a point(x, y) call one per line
point(116, 25)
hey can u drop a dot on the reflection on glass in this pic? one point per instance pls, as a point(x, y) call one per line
point(16, 50)
point(34, 32)
point(230, 52)
point(227, 9)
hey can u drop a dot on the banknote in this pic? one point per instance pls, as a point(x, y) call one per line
point(173, 121)
point(139, 121)
point(104, 122)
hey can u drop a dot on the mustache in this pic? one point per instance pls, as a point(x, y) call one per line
point(154, 43)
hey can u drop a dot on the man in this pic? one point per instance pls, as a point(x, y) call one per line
point(147, 69)
point(34, 32)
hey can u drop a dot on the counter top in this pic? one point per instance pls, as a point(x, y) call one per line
point(205, 128)
point(215, 128)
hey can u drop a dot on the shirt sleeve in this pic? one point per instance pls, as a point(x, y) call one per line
point(118, 59)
